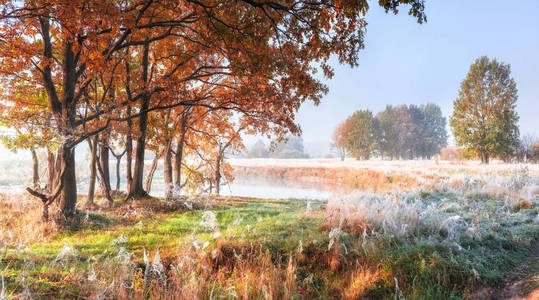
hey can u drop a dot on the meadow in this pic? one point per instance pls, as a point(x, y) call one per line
point(448, 231)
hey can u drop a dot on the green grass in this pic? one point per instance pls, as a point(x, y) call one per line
point(276, 224)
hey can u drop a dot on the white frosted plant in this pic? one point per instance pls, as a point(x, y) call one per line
point(398, 292)
point(122, 262)
point(123, 257)
point(91, 275)
point(519, 179)
point(158, 269)
point(453, 226)
point(3, 291)
point(86, 217)
point(120, 241)
point(393, 214)
point(334, 236)
point(237, 221)
point(209, 221)
point(65, 254)
point(401, 215)
point(146, 266)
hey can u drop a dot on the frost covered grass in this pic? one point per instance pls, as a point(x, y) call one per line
point(444, 242)
point(457, 233)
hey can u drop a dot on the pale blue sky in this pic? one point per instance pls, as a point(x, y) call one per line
point(405, 62)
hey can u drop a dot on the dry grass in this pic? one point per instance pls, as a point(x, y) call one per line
point(337, 178)
point(20, 220)
point(239, 271)
point(361, 280)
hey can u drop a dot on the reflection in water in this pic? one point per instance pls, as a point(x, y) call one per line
point(275, 192)
point(268, 189)
point(277, 188)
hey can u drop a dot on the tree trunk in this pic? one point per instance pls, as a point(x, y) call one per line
point(167, 162)
point(484, 157)
point(118, 162)
point(149, 177)
point(129, 150)
point(35, 175)
point(92, 142)
point(51, 160)
point(104, 161)
point(105, 188)
point(178, 156)
point(218, 174)
point(137, 188)
point(68, 196)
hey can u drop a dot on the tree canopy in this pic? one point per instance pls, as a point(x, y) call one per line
point(104, 67)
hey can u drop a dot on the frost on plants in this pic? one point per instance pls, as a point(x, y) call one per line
point(3, 291)
point(67, 253)
point(209, 221)
point(334, 235)
point(158, 270)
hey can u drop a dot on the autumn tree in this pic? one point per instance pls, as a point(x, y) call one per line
point(339, 138)
point(58, 52)
point(23, 124)
point(360, 138)
point(484, 119)
point(272, 45)
point(226, 139)
point(27, 128)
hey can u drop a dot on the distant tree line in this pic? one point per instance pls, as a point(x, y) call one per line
point(400, 132)
point(292, 147)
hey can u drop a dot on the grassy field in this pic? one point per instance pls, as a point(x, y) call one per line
point(456, 239)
